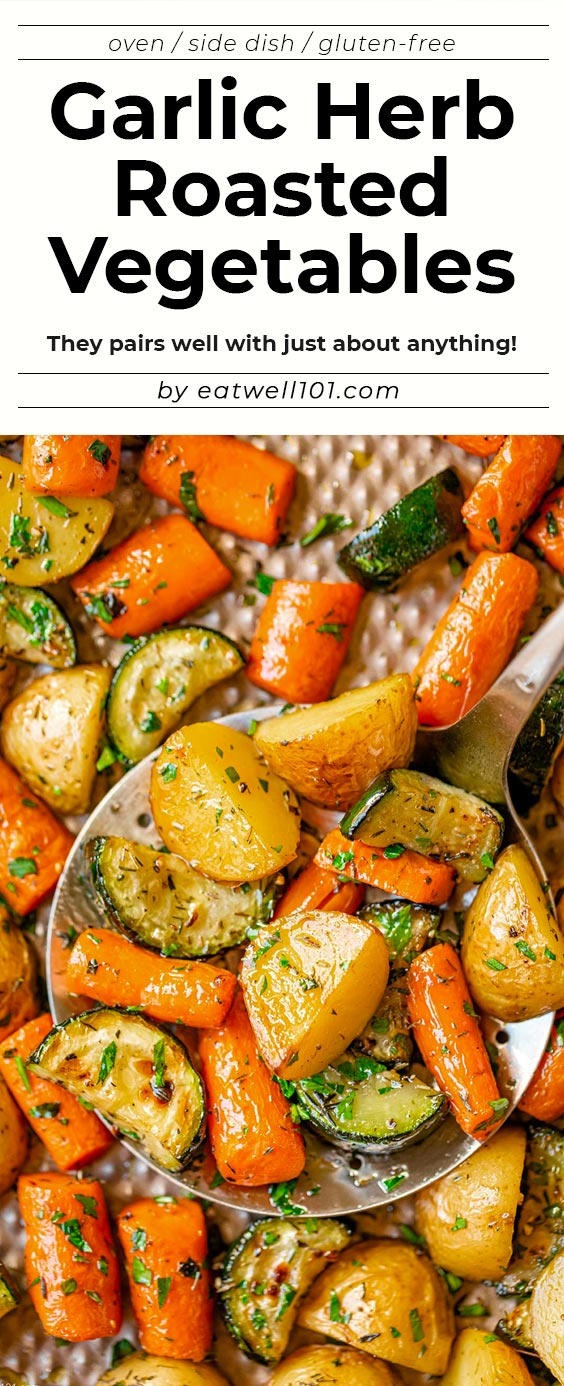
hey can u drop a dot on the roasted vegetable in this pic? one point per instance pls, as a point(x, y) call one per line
point(302, 638)
point(510, 490)
point(18, 977)
point(77, 1297)
point(223, 480)
point(399, 872)
point(478, 445)
point(537, 746)
point(13, 1139)
point(9, 1295)
point(310, 989)
point(8, 676)
point(544, 1097)
point(386, 1298)
point(160, 901)
point(329, 1365)
point(331, 751)
point(33, 844)
point(34, 628)
point(265, 1275)
point(419, 812)
point(515, 1326)
point(512, 948)
point(540, 1223)
point(546, 531)
point(467, 1216)
point(140, 1369)
point(51, 734)
point(70, 465)
point(222, 808)
point(136, 1075)
point(165, 1246)
point(386, 1038)
point(482, 1359)
point(547, 1315)
point(159, 678)
point(417, 526)
point(406, 928)
point(316, 889)
point(41, 537)
point(360, 1104)
point(114, 971)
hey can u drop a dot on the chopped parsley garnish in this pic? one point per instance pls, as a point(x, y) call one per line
point(159, 1062)
point(232, 773)
point(281, 1197)
point(551, 523)
point(396, 849)
point(107, 1061)
point(523, 947)
point(459, 1224)
point(264, 583)
point(142, 1275)
point(100, 451)
point(168, 773)
point(47, 1110)
point(494, 527)
point(22, 866)
point(72, 1230)
point(416, 1326)
point(139, 1239)
point(56, 507)
point(150, 722)
point(325, 525)
point(188, 497)
point(164, 1283)
point(334, 628)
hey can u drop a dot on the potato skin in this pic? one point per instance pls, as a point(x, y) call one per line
point(332, 1366)
point(331, 751)
point(305, 1007)
point(13, 1139)
point(509, 923)
point(18, 978)
point(8, 675)
point(51, 734)
point(380, 1285)
point(547, 1316)
point(477, 1362)
point(486, 1191)
point(141, 1369)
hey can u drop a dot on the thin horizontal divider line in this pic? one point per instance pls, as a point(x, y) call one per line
point(282, 372)
point(248, 404)
point(232, 58)
point(394, 25)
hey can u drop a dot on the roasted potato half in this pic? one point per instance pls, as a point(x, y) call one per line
point(13, 1139)
point(18, 978)
point(482, 1359)
point(42, 538)
point(330, 752)
point(486, 1190)
point(387, 1299)
point(547, 1316)
point(332, 1366)
point(51, 734)
point(140, 1369)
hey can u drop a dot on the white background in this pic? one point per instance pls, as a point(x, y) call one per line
point(501, 193)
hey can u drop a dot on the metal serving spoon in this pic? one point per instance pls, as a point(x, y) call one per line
point(473, 754)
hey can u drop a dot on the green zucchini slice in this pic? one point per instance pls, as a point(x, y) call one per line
point(515, 1327)
point(157, 899)
point(266, 1273)
point(158, 680)
point(135, 1074)
point(387, 1036)
point(407, 928)
point(417, 526)
point(537, 746)
point(33, 627)
point(539, 1231)
point(362, 1105)
point(9, 1296)
point(406, 809)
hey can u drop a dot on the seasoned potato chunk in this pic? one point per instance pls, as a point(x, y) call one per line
point(481, 1359)
point(51, 734)
point(332, 1366)
point(483, 1194)
point(547, 1316)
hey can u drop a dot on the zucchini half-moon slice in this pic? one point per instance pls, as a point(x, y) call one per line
point(135, 1074)
point(33, 627)
point(266, 1273)
point(158, 680)
point(362, 1105)
point(160, 901)
point(406, 809)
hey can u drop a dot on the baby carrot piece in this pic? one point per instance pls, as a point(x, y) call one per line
point(223, 480)
point(302, 638)
point(116, 972)
point(449, 1038)
point(316, 889)
point(155, 576)
point(408, 874)
point(483, 446)
point(253, 1138)
point(34, 845)
point(509, 491)
point(546, 533)
point(70, 466)
point(544, 1097)
point(165, 1247)
point(71, 1134)
point(71, 1263)
point(474, 638)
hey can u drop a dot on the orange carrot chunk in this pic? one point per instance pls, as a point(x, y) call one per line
point(478, 446)
point(475, 637)
point(509, 491)
point(223, 480)
point(71, 1263)
point(253, 1138)
point(544, 1097)
point(410, 875)
point(446, 1031)
point(71, 1134)
point(112, 970)
point(316, 889)
point(302, 638)
point(34, 845)
point(546, 533)
point(165, 1247)
point(155, 576)
point(76, 465)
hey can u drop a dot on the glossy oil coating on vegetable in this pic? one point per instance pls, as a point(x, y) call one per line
point(509, 491)
point(110, 969)
point(165, 1247)
point(302, 638)
point(70, 466)
point(417, 526)
point(34, 844)
point(394, 869)
point(76, 1296)
point(467, 1217)
point(42, 538)
point(223, 480)
point(52, 733)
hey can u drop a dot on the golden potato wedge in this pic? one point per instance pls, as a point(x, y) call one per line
point(51, 734)
point(386, 1298)
point(547, 1316)
point(140, 1369)
point(486, 1189)
point(13, 1139)
point(512, 948)
point(18, 978)
point(311, 982)
point(42, 538)
point(330, 752)
point(481, 1359)
point(223, 809)
point(332, 1366)
point(8, 676)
